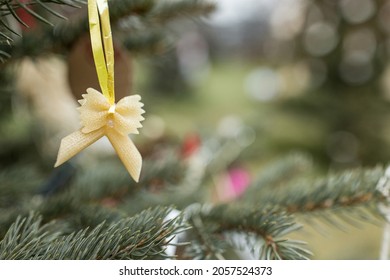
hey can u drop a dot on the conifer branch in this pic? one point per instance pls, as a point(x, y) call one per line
point(205, 243)
point(140, 17)
point(26, 238)
point(350, 196)
point(346, 189)
point(8, 7)
point(143, 236)
point(268, 225)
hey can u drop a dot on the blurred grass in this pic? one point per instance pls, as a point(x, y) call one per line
point(220, 94)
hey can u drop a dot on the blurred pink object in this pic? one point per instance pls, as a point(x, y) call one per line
point(239, 180)
point(232, 184)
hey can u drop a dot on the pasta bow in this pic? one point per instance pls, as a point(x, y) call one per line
point(99, 118)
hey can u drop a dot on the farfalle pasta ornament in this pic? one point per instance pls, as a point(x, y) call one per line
point(100, 115)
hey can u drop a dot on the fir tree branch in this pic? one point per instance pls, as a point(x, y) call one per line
point(150, 14)
point(143, 236)
point(346, 189)
point(8, 7)
point(26, 238)
point(350, 196)
point(268, 225)
point(205, 244)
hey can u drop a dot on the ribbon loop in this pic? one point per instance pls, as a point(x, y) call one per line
point(102, 46)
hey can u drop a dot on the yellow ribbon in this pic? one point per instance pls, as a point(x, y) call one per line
point(103, 57)
point(99, 114)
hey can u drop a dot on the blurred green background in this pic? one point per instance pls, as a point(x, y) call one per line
point(294, 75)
point(306, 75)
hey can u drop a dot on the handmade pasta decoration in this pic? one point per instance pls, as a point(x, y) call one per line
point(100, 115)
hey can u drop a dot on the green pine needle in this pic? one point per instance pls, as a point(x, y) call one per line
point(144, 236)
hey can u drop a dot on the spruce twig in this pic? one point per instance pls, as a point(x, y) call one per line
point(143, 236)
point(348, 190)
point(149, 14)
point(268, 225)
point(10, 8)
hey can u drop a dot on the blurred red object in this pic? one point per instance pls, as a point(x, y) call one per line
point(26, 17)
point(190, 145)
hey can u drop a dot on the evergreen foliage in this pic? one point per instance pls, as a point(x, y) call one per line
point(99, 213)
point(141, 24)
point(139, 237)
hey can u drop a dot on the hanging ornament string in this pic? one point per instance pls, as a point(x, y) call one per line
point(102, 46)
point(100, 115)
